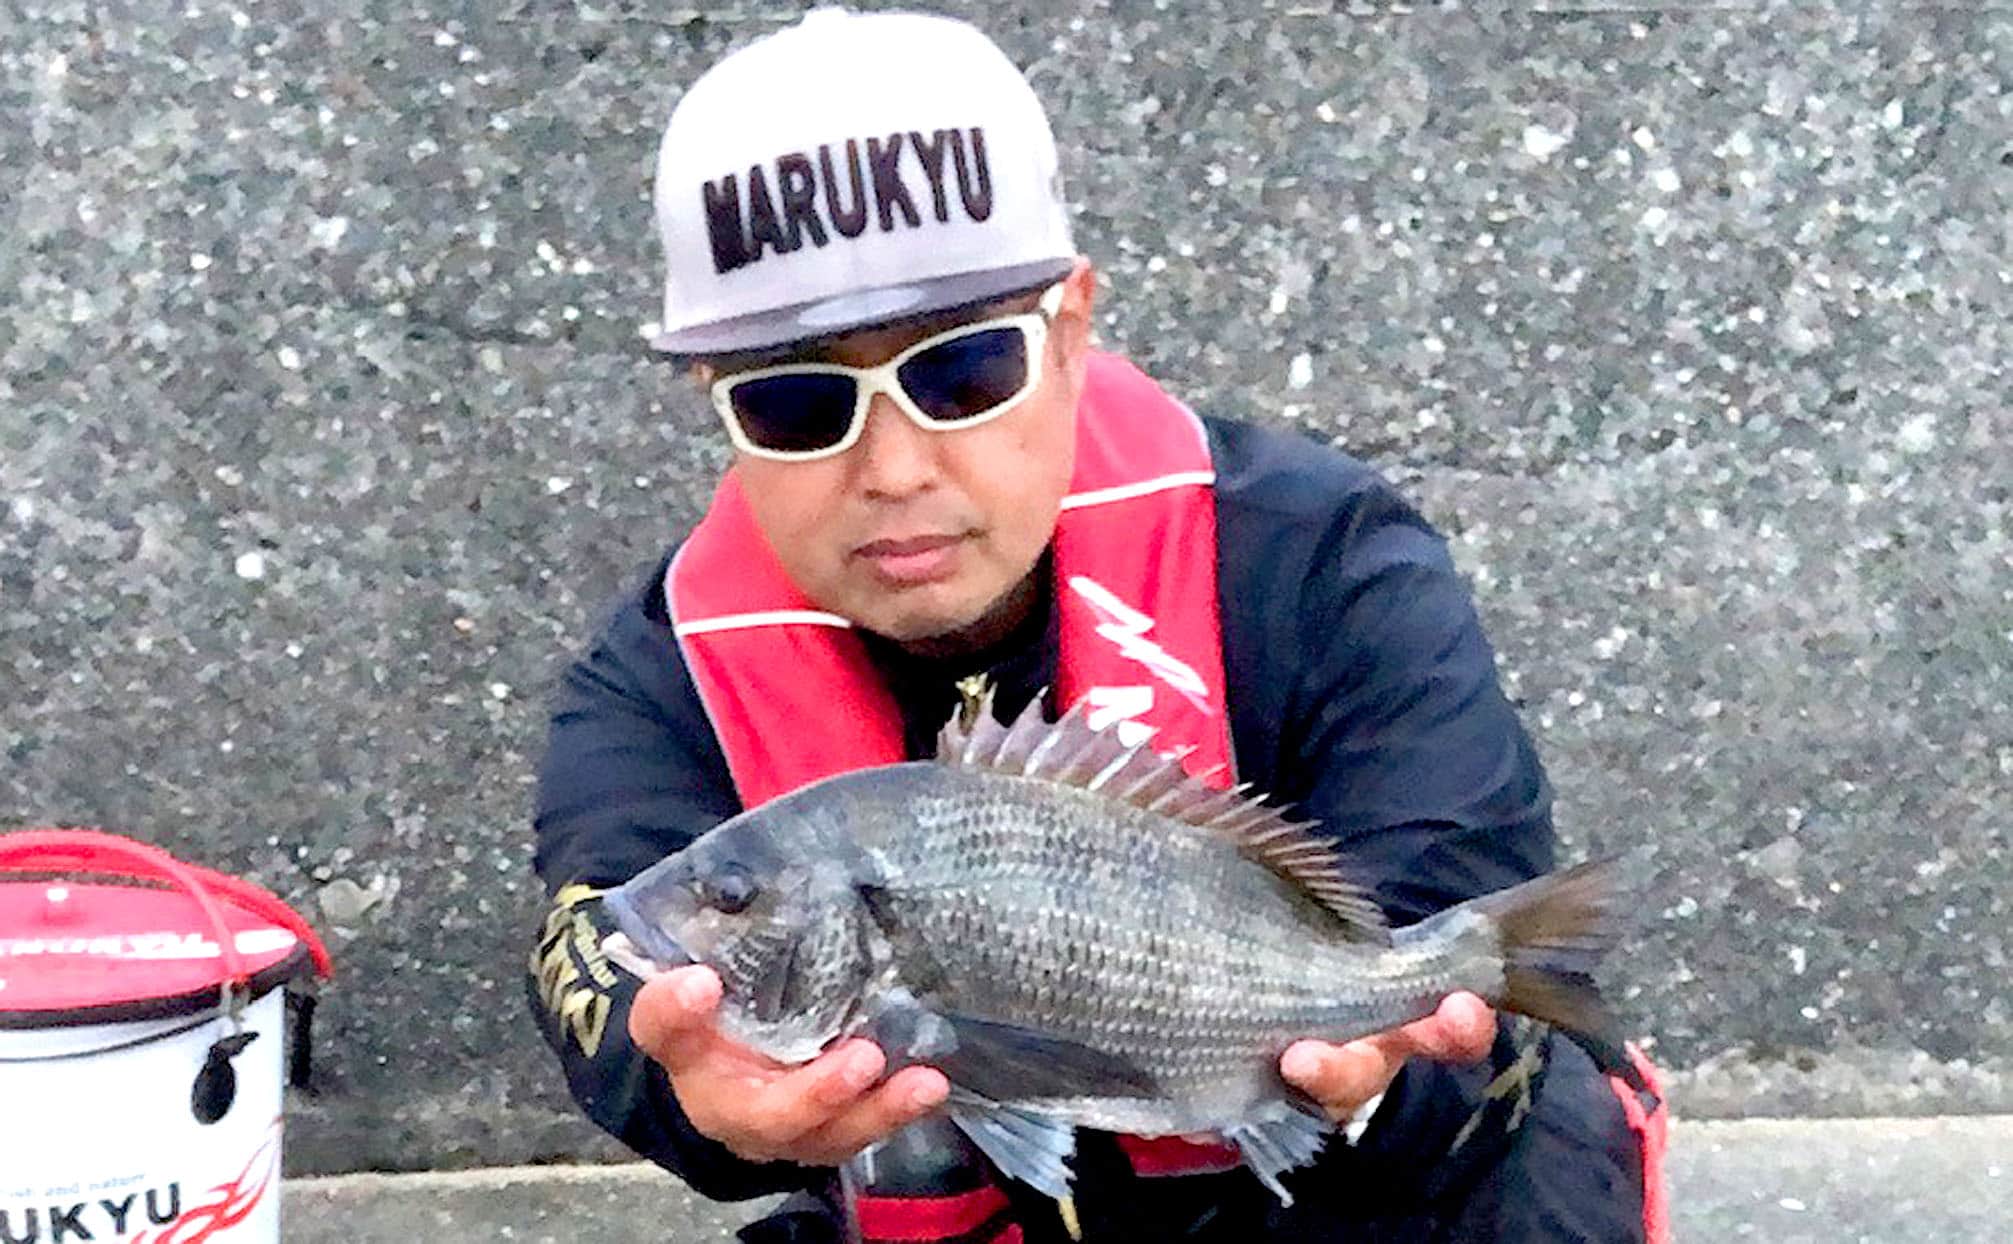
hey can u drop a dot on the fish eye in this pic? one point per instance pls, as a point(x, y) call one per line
point(729, 889)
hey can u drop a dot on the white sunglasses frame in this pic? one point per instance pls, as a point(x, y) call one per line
point(884, 378)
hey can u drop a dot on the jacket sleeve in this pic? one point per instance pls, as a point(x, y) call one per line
point(1364, 692)
point(1411, 755)
point(1407, 749)
point(631, 773)
point(1361, 685)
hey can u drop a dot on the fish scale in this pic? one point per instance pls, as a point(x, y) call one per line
point(1080, 934)
point(990, 917)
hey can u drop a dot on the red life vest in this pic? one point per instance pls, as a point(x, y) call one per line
point(1135, 567)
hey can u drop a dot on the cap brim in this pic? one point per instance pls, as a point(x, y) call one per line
point(809, 321)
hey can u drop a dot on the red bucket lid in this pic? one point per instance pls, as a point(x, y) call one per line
point(145, 936)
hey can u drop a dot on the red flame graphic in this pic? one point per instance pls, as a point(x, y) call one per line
point(230, 1203)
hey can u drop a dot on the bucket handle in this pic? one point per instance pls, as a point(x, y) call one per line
point(93, 851)
point(263, 902)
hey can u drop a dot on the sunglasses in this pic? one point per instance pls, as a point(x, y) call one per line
point(797, 412)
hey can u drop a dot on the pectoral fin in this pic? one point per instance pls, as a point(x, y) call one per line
point(1273, 1146)
point(1026, 1147)
point(908, 1032)
point(996, 1061)
point(1004, 1062)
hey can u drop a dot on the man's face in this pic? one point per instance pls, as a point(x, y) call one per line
point(919, 535)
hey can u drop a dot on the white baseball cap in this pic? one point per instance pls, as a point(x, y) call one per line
point(853, 169)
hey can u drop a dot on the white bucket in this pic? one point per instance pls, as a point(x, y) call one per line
point(140, 1099)
point(100, 1136)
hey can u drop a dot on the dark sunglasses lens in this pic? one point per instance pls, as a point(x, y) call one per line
point(968, 376)
point(794, 414)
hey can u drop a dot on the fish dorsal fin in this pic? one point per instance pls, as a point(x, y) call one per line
point(1071, 753)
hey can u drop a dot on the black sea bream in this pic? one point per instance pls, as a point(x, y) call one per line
point(1079, 934)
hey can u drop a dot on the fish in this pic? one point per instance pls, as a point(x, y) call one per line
point(1079, 933)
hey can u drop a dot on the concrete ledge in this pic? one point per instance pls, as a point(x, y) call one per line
point(1894, 1181)
point(533, 1204)
point(477, 1126)
point(1880, 1181)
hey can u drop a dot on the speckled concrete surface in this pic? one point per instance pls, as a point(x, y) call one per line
point(325, 426)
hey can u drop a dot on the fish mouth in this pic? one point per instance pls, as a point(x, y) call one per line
point(641, 938)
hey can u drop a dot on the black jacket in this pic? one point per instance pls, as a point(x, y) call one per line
point(1360, 688)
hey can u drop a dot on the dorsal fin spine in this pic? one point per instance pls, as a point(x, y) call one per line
point(1111, 770)
point(1157, 773)
point(1238, 817)
point(1070, 753)
point(1040, 753)
point(1254, 815)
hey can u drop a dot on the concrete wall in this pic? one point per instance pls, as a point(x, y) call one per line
point(325, 428)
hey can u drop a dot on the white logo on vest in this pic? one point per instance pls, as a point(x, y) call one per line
point(1123, 706)
point(1126, 628)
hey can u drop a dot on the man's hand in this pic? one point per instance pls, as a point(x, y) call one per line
point(1343, 1077)
point(818, 1114)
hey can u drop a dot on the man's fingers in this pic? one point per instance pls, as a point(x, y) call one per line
point(838, 1076)
point(1340, 1077)
point(1461, 1031)
point(672, 1017)
point(1343, 1077)
point(796, 1117)
point(820, 1113)
point(776, 1117)
point(908, 1095)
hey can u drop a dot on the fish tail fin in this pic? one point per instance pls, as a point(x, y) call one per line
point(1554, 930)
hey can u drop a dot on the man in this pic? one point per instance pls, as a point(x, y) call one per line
point(938, 480)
